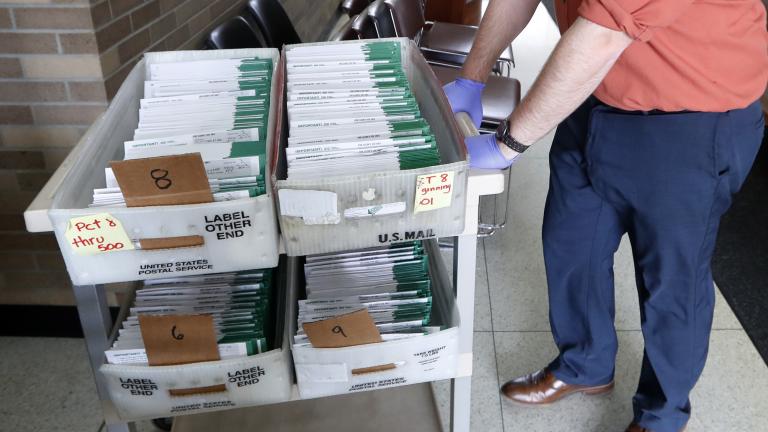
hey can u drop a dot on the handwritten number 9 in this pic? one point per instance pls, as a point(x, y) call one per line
point(160, 176)
point(338, 330)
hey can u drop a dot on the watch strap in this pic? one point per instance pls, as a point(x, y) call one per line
point(502, 134)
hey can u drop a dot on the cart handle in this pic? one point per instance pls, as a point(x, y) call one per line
point(468, 129)
point(171, 242)
point(466, 126)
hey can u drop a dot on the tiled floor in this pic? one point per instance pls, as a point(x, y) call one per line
point(46, 383)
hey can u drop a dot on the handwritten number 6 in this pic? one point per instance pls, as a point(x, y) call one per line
point(176, 336)
point(161, 178)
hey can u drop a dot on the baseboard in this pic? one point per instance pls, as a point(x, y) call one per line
point(42, 321)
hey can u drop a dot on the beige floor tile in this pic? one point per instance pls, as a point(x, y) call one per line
point(46, 386)
point(724, 400)
point(407, 408)
point(486, 408)
point(482, 296)
point(515, 265)
point(532, 47)
point(731, 393)
point(522, 353)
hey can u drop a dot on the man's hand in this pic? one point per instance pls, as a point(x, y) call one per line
point(485, 152)
point(502, 22)
point(464, 95)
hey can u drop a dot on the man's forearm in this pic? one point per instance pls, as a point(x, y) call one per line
point(502, 22)
point(578, 64)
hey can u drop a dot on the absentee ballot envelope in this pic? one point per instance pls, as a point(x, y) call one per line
point(239, 303)
point(391, 283)
point(217, 108)
point(353, 105)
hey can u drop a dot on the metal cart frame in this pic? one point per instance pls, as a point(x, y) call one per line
point(99, 329)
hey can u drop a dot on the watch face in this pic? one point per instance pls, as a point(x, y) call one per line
point(501, 131)
point(502, 134)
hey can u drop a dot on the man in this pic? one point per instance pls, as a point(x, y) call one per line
point(659, 128)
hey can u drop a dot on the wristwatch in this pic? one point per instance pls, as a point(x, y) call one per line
point(502, 135)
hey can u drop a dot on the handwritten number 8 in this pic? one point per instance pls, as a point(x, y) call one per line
point(161, 178)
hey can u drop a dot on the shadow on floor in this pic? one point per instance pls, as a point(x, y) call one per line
point(740, 263)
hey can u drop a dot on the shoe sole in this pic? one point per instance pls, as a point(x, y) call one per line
point(589, 391)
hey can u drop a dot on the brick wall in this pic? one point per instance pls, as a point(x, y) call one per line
point(125, 29)
point(166, 25)
point(60, 62)
point(50, 91)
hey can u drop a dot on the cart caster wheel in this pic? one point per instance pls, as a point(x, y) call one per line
point(164, 423)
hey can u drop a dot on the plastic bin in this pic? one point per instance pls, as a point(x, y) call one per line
point(224, 250)
point(328, 371)
point(141, 392)
point(386, 187)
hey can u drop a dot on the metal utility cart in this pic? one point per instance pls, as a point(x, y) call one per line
point(100, 329)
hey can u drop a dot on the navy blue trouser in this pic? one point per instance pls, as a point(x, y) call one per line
point(665, 179)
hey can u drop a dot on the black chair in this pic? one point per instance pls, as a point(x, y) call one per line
point(442, 43)
point(236, 32)
point(353, 7)
point(364, 27)
point(408, 17)
point(345, 32)
point(273, 22)
point(382, 19)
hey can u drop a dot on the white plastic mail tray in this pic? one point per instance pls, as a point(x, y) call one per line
point(238, 235)
point(328, 371)
point(394, 189)
point(143, 392)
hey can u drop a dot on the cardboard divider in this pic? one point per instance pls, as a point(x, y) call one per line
point(191, 339)
point(178, 339)
point(164, 180)
point(355, 328)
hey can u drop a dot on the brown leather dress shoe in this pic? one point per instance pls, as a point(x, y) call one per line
point(634, 427)
point(542, 388)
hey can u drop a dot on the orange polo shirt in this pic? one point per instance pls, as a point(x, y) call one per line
point(698, 55)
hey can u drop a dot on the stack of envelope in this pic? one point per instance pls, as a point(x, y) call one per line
point(241, 304)
point(392, 283)
point(351, 111)
point(218, 108)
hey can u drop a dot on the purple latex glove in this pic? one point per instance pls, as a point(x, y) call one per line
point(464, 95)
point(484, 152)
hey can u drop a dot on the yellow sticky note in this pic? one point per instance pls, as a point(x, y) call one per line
point(98, 233)
point(433, 191)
